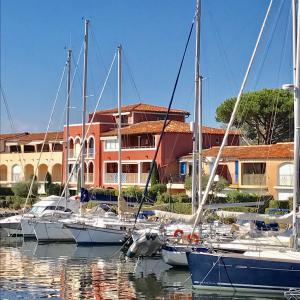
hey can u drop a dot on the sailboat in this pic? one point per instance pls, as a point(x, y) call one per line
point(269, 271)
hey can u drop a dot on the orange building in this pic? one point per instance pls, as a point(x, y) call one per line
point(141, 127)
point(260, 169)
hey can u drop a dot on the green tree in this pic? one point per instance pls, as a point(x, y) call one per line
point(48, 182)
point(264, 116)
point(155, 175)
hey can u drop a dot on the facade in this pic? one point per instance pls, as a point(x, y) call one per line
point(141, 127)
point(261, 169)
point(21, 157)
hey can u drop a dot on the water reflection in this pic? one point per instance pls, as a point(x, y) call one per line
point(65, 271)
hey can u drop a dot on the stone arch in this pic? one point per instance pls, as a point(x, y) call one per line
point(29, 172)
point(3, 173)
point(56, 173)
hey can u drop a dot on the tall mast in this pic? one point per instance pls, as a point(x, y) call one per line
point(85, 60)
point(68, 122)
point(196, 130)
point(119, 121)
point(296, 183)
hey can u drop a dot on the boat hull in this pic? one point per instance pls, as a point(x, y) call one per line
point(88, 235)
point(46, 232)
point(28, 228)
point(236, 273)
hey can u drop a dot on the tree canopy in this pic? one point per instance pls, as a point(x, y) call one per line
point(265, 116)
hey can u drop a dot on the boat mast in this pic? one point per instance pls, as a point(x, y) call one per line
point(84, 97)
point(296, 58)
point(196, 129)
point(67, 147)
point(119, 123)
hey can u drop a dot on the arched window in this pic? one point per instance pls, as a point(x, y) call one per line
point(71, 148)
point(286, 174)
point(91, 172)
point(3, 173)
point(77, 146)
point(16, 173)
point(91, 147)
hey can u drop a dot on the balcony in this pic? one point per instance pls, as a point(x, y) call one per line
point(127, 178)
point(286, 180)
point(89, 177)
point(254, 179)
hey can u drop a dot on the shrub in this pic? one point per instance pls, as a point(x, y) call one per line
point(181, 198)
point(188, 183)
point(21, 188)
point(156, 189)
point(133, 191)
point(55, 189)
point(155, 175)
point(6, 191)
point(164, 198)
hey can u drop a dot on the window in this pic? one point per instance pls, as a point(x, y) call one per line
point(16, 173)
point(111, 144)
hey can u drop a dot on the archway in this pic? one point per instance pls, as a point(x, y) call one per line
point(3, 173)
point(29, 172)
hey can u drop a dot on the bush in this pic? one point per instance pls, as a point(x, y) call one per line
point(21, 188)
point(188, 183)
point(55, 189)
point(156, 189)
point(181, 208)
point(133, 191)
point(164, 198)
point(181, 198)
point(100, 191)
point(155, 175)
point(6, 191)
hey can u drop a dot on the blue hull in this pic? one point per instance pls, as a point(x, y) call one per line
point(236, 273)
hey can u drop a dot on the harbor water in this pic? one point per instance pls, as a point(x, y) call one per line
point(29, 270)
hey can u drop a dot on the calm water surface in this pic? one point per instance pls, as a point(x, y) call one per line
point(64, 271)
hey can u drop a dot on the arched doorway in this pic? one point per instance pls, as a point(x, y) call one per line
point(42, 171)
point(3, 173)
point(29, 172)
point(56, 173)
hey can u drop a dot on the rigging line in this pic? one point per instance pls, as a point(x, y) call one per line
point(165, 124)
point(283, 51)
point(87, 131)
point(222, 51)
point(12, 125)
point(45, 137)
point(280, 10)
point(131, 77)
point(68, 94)
point(213, 171)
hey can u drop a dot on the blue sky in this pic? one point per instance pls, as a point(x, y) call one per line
point(34, 35)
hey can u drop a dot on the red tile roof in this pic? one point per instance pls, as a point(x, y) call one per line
point(156, 127)
point(280, 150)
point(142, 107)
point(28, 137)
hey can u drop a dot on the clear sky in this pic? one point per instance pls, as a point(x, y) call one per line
point(153, 33)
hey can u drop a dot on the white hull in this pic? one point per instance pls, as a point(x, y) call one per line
point(27, 228)
point(85, 234)
point(52, 232)
point(174, 258)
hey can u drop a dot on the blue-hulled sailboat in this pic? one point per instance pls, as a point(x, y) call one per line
point(270, 271)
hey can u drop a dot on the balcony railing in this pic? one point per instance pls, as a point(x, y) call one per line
point(132, 178)
point(253, 179)
point(91, 152)
point(89, 177)
point(286, 180)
